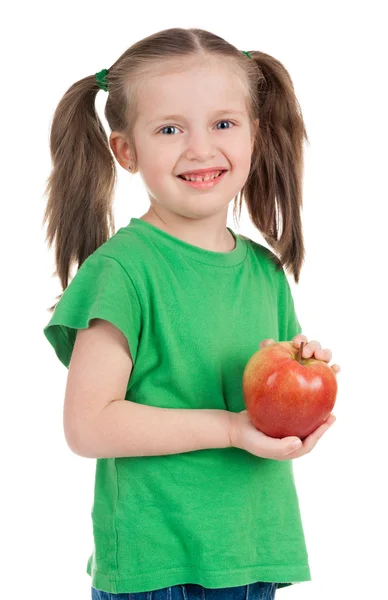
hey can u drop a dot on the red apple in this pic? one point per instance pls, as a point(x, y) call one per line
point(285, 394)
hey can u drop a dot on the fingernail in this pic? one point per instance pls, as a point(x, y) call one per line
point(294, 446)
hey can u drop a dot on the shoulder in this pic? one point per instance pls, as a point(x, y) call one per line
point(267, 256)
point(105, 273)
point(270, 265)
point(120, 253)
point(127, 248)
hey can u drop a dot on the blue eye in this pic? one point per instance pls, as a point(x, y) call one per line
point(167, 127)
point(225, 122)
point(174, 127)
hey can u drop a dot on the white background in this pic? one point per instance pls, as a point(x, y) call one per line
point(336, 54)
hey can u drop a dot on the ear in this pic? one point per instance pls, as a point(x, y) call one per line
point(121, 149)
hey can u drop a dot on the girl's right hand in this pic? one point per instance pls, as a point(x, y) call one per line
point(244, 435)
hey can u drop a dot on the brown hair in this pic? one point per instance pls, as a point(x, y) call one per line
point(81, 184)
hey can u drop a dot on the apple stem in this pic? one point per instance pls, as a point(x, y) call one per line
point(300, 354)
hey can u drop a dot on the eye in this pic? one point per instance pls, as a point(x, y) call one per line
point(225, 122)
point(167, 127)
point(174, 127)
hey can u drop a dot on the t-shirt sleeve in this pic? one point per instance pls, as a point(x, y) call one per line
point(101, 288)
point(289, 325)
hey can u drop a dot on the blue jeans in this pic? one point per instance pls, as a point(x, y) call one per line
point(191, 591)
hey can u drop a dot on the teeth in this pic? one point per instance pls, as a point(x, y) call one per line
point(198, 178)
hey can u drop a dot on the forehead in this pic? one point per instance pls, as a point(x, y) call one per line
point(190, 85)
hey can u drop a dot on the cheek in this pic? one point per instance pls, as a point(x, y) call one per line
point(160, 170)
point(157, 174)
point(241, 163)
point(240, 153)
point(154, 162)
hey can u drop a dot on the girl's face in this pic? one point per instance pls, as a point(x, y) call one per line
point(209, 128)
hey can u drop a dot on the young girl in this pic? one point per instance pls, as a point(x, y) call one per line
point(160, 319)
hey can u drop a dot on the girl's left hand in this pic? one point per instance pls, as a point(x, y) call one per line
point(309, 349)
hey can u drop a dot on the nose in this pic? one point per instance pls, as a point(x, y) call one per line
point(200, 145)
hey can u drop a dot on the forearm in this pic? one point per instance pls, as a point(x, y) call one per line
point(125, 428)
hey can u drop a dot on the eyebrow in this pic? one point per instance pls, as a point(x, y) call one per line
point(178, 117)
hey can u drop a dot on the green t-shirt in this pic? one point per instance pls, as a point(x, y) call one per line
point(192, 318)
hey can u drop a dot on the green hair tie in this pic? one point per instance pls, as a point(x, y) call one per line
point(101, 76)
point(101, 79)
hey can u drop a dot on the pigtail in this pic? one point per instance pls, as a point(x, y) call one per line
point(273, 191)
point(82, 180)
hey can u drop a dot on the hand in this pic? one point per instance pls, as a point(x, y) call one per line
point(310, 349)
point(244, 435)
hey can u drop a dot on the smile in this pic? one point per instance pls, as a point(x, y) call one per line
point(204, 184)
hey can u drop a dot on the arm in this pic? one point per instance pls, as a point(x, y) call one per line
point(125, 428)
point(98, 427)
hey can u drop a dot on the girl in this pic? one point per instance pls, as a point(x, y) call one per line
point(161, 317)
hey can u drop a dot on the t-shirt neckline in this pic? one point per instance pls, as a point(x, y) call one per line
point(210, 257)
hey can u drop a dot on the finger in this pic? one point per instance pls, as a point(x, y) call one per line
point(325, 354)
point(310, 348)
point(292, 447)
point(311, 440)
point(281, 447)
point(298, 339)
point(331, 419)
point(266, 343)
point(336, 368)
